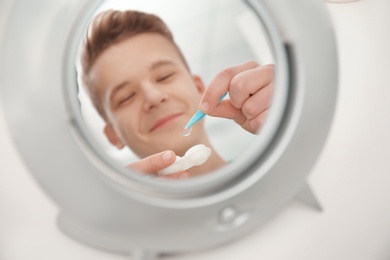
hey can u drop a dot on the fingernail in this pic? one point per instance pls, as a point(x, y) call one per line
point(205, 106)
point(184, 176)
point(167, 156)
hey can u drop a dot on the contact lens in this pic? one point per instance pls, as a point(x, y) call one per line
point(185, 131)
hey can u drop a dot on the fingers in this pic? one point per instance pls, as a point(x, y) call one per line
point(155, 162)
point(257, 122)
point(151, 164)
point(250, 88)
point(250, 95)
point(253, 113)
point(247, 84)
point(220, 85)
point(258, 103)
point(225, 109)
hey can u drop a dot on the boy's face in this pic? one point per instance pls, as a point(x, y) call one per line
point(148, 95)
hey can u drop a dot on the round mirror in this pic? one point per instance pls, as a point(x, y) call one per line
point(143, 69)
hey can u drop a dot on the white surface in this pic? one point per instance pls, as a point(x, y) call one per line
point(351, 178)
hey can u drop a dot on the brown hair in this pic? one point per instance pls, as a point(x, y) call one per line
point(110, 27)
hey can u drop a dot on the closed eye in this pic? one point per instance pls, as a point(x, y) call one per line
point(126, 98)
point(164, 78)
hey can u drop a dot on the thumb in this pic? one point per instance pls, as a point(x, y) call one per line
point(155, 162)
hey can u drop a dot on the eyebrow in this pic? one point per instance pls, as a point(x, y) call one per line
point(160, 63)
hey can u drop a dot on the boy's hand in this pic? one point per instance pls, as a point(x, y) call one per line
point(153, 163)
point(250, 90)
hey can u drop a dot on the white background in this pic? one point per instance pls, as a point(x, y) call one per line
point(351, 178)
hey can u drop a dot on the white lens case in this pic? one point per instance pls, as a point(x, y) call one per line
point(196, 155)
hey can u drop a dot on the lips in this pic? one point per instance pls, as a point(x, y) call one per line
point(163, 121)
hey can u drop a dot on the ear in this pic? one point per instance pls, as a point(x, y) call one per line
point(113, 137)
point(198, 83)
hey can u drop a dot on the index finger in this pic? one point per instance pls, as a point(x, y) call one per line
point(220, 85)
point(155, 162)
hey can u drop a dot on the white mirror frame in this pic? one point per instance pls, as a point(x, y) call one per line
point(105, 209)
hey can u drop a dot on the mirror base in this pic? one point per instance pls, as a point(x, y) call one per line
point(86, 235)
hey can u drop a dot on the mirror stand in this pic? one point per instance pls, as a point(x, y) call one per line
point(307, 196)
point(90, 236)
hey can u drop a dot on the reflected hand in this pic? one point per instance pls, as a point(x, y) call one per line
point(250, 89)
point(153, 163)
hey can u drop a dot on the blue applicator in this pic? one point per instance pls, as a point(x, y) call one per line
point(199, 115)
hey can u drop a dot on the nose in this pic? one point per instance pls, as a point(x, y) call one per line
point(154, 96)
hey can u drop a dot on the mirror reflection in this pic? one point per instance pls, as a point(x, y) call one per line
point(175, 94)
